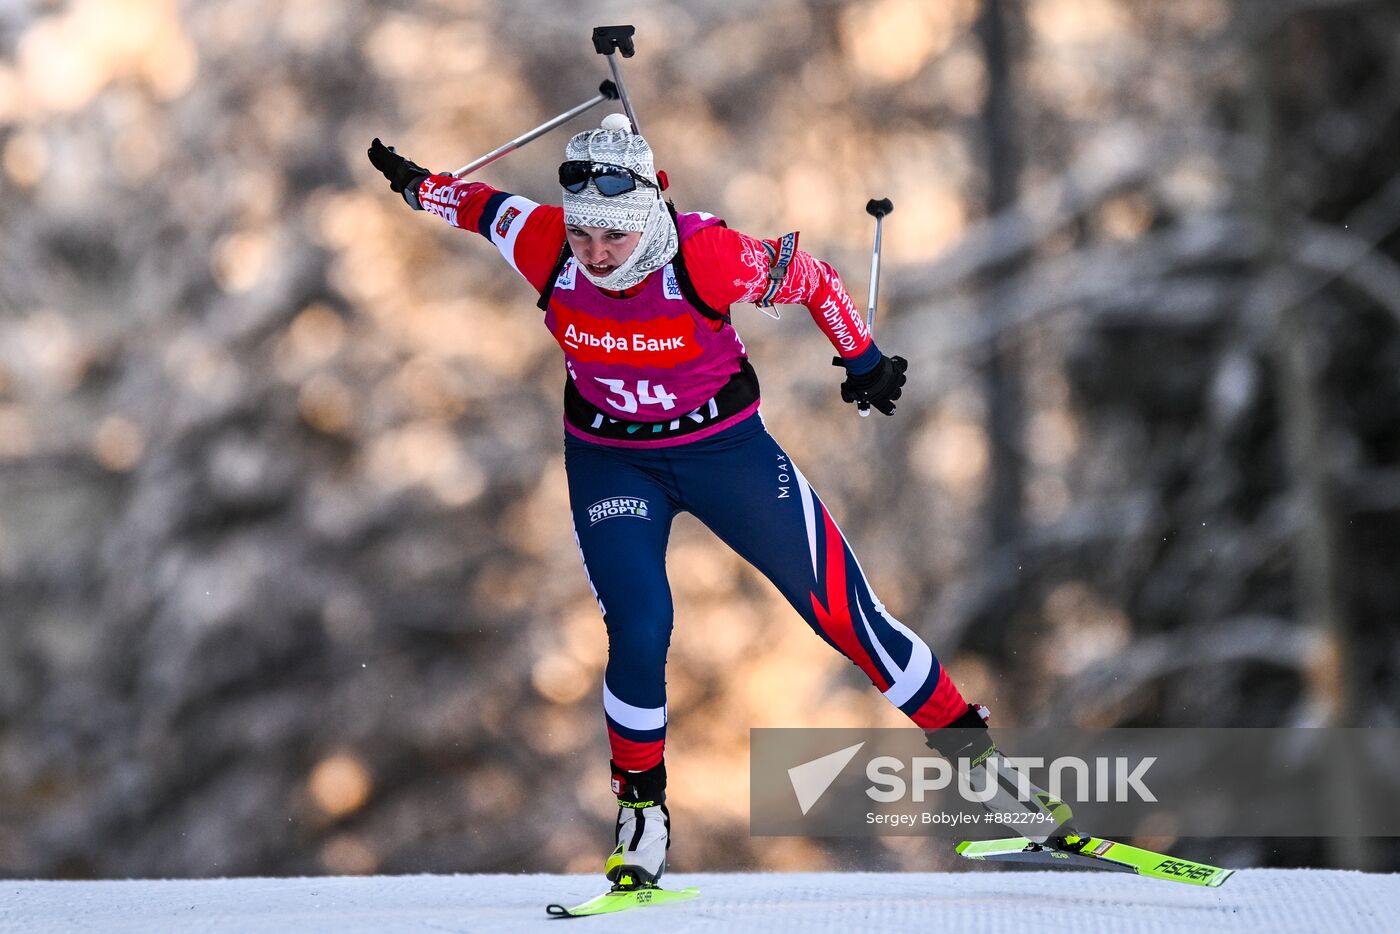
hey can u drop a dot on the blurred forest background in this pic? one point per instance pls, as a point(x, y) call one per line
point(287, 582)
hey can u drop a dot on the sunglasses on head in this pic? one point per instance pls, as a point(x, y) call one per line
point(610, 180)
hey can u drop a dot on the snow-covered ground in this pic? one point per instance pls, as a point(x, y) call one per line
point(1017, 902)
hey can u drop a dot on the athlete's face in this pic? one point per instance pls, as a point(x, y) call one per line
point(600, 249)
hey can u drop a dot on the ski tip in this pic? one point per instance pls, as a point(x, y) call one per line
point(1220, 878)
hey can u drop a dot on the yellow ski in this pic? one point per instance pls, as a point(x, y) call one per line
point(1097, 853)
point(623, 899)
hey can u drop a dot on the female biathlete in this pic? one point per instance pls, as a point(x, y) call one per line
point(661, 415)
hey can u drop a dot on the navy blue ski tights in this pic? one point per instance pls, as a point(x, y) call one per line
point(745, 488)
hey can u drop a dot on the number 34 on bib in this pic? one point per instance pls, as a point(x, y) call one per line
point(646, 394)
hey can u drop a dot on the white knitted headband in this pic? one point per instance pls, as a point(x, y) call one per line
point(641, 209)
point(613, 144)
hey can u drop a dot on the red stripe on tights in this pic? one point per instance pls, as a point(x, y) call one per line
point(633, 756)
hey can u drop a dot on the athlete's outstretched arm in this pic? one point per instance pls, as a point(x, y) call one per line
point(529, 235)
point(727, 267)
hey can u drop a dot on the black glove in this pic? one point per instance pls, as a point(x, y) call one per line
point(877, 388)
point(403, 176)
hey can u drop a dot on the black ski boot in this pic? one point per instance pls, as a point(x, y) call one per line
point(969, 746)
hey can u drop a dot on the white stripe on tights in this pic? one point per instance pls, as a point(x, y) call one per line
point(809, 514)
point(907, 681)
point(634, 718)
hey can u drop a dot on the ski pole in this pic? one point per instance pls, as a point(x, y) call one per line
point(608, 40)
point(607, 91)
point(878, 210)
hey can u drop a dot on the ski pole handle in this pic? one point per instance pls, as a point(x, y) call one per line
point(876, 209)
point(607, 91)
point(609, 40)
